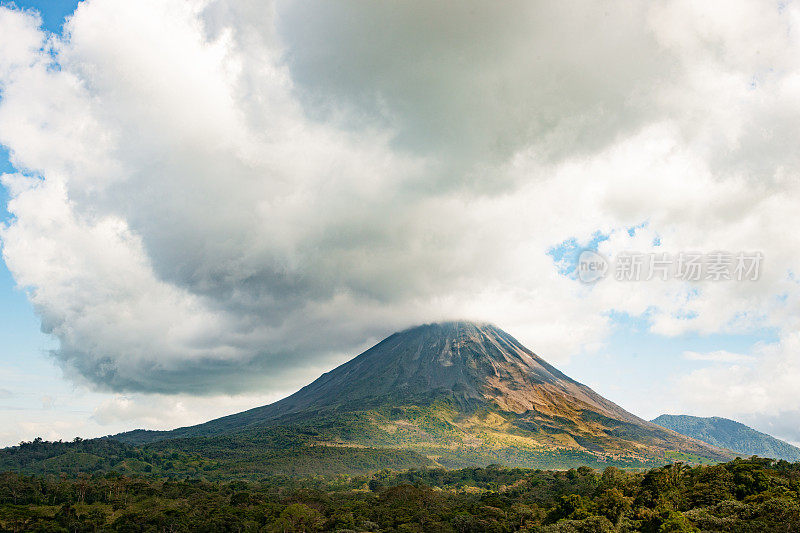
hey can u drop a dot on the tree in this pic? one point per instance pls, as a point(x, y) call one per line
point(298, 518)
point(613, 504)
point(675, 522)
point(572, 507)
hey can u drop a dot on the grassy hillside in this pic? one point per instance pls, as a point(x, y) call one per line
point(241, 457)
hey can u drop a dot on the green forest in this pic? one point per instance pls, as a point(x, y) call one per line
point(742, 495)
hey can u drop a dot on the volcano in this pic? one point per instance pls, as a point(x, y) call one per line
point(456, 394)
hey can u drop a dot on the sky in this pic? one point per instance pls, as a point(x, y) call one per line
point(206, 204)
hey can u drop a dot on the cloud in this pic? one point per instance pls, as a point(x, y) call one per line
point(476, 84)
point(717, 356)
point(155, 411)
point(218, 197)
point(761, 393)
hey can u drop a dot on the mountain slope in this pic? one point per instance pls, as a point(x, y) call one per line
point(730, 434)
point(460, 394)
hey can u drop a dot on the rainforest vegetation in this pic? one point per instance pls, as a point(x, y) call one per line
point(742, 495)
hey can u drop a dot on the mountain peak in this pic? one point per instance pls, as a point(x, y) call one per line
point(450, 326)
point(455, 390)
point(467, 362)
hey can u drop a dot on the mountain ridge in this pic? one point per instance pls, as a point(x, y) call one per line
point(730, 434)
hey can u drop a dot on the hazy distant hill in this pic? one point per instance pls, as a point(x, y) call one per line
point(730, 434)
point(454, 394)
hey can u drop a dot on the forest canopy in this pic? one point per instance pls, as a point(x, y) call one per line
point(755, 494)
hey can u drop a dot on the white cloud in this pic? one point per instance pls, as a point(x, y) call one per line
point(717, 356)
point(159, 412)
point(766, 386)
point(762, 392)
point(235, 196)
point(19, 40)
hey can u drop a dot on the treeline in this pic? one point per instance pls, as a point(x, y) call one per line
point(742, 495)
point(242, 456)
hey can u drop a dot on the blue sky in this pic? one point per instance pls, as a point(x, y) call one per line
point(52, 12)
point(636, 183)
